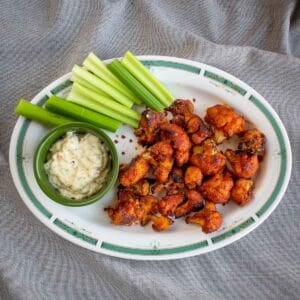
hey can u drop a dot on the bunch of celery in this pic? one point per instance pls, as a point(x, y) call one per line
point(113, 89)
point(96, 88)
point(141, 81)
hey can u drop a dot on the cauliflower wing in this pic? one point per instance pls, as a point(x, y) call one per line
point(148, 207)
point(161, 155)
point(163, 169)
point(134, 171)
point(209, 218)
point(180, 140)
point(125, 212)
point(194, 202)
point(182, 108)
point(149, 126)
point(192, 177)
point(176, 181)
point(141, 188)
point(241, 192)
point(253, 142)
point(193, 124)
point(197, 130)
point(243, 164)
point(208, 158)
point(183, 115)
point(161, 223)
point(174, 184)
point(125, 194)
point(217, 188)
point(225, 122)
point(201, 134)
point(168, 204)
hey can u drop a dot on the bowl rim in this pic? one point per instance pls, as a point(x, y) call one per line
point(43, 148)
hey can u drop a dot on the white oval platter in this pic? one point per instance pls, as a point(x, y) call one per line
point(89, 226)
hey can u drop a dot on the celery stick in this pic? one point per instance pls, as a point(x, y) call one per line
point(36, 113)
point(95, 65)
point(80, 80)
point(141, 73)
point(107, 102)
point(69, 109)
point(125, 76)
point(76, 97)
point(73, 95)
point(102, 85)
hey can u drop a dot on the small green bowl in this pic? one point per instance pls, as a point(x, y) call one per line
point(41, 155)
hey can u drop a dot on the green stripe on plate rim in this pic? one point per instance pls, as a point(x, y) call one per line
point(156, 251)
point(61, 87)
point(232, 231)
point(171, 64)
point(226, 82)
point(74, 232)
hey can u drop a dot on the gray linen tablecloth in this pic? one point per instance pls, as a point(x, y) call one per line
point(257, 41)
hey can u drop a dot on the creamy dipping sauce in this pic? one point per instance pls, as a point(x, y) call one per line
point(77, 165)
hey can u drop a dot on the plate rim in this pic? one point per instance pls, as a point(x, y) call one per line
point(195, 67)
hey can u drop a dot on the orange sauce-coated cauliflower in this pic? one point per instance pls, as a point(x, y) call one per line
point(243, 164)
point(253, 142)
point(241, 192)
point(225, 121)
point(208, 158)
point(217, 188)
point(209, 218)
point(193, 177)
point(133, 172)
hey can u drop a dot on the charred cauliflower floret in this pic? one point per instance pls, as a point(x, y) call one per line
point(148, 207)
point(168, 204)
point(217, 188)
point(194, 202)
point(243, 164)
point(180, 141)
point(193, 177)
point(161, 223)
point(183, 108)
point(134, 171)
point(149, 126)
point(184, 116)
point(241, 192)
point(209, 218)
point(253, 142)
point(125, 213)
point(161, 158)
point(224, 121)
point(208, 158)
